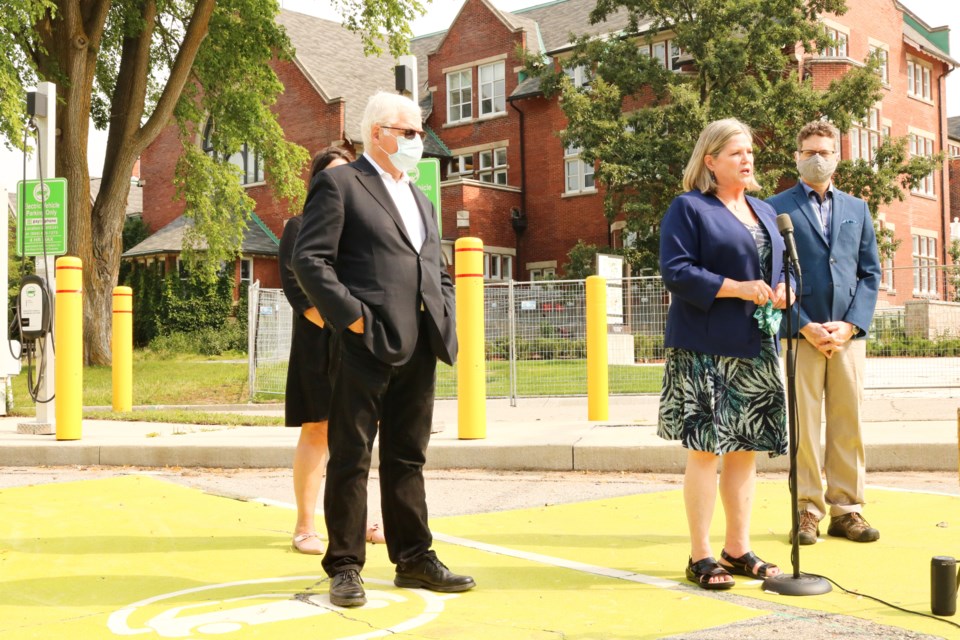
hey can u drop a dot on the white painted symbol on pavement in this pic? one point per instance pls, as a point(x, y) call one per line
point(265, 604)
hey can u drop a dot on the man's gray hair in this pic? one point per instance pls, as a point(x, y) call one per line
point(384, 107)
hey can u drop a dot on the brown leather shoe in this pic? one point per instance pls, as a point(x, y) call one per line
point(809, 528)
point(853, 527)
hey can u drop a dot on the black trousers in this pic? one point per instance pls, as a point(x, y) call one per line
point(369, 394)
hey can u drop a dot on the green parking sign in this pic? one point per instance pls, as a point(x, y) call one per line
point(427, 177)
point(42, 217)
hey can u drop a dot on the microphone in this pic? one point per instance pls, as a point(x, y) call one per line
point(785, 227)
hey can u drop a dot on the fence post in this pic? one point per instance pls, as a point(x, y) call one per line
point(253, 304)
point(512, 341)
point(598, 390)
point(471, 374)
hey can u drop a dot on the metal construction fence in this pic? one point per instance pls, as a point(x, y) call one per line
point(536, 341)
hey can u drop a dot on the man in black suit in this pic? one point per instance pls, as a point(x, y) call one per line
point(368, 257)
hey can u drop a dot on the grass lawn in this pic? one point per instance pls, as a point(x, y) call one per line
point(207, 382)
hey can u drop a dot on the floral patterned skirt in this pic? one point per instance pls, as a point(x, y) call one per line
point(721, 404)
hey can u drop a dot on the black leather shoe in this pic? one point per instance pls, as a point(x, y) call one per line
point(346, 589)
point(429, 573)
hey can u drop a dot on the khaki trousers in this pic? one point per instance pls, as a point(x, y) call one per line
point(837, 383)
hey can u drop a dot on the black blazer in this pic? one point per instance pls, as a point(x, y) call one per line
point(353, 258)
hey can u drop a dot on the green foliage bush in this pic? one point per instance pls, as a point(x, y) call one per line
point(899, 345)
point(646, 348)
point(231, 337)
point(172, 307)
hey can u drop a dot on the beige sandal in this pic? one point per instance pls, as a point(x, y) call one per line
point(298, 544)
point(375, 534)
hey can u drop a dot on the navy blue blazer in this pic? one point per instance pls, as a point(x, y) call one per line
point(701, 243)
point(840, 279)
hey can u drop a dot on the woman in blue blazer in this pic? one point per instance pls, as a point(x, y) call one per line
point(721, 259)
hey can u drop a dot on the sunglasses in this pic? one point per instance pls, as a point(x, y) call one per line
point(409, 134)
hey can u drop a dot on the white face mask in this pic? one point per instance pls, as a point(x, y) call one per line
point(816, 169)
point(408, 153)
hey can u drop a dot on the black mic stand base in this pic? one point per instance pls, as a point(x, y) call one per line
point(785, 584)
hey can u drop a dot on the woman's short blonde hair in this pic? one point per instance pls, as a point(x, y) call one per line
point(713, 139)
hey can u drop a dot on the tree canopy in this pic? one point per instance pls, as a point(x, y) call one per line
point(135, 66)
point(731, 58)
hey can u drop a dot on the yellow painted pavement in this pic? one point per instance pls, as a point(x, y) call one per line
point(137, 556)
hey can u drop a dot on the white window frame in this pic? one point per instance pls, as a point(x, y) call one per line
point(884, 69)
point(249, 264)
point(492, 94)
point(918, 80)
point(865, 137)
point(923, 146)
point(924, 249)
point(659, 51)
point(492, 166)
point(579, 75)
point(461, 165)
point(841, 49)
point(580, 171)
point(460, 110)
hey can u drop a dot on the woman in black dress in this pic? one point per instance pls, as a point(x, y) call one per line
point(308, 384)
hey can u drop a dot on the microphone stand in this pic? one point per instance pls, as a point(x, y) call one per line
point(795, 584)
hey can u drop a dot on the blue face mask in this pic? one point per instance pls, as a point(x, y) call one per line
point(408, 153)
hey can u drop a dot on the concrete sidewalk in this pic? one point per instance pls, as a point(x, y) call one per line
point(903, 430)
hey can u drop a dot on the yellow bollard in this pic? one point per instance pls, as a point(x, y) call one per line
point(122, 343)
point(68, 328)
point(471, 370)
point(598, 390)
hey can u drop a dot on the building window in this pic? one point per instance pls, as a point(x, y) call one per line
point(246, 271)
point(579, 174)
point(459, 95)
point(493, 166)
point(660, 52)
point(461, 165)
point(924, 265)
point(247, 160)
point(543, 274)
point(921, 146)
point(675, 54)
point(492, 94)
point(579, 76)
point(865, 137)
point(839, 47)
point(953, 149)
point(918, 80)
point(497, 266)
point(883, 70)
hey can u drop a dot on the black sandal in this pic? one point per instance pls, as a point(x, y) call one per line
point(701, 571)
point(749, 565)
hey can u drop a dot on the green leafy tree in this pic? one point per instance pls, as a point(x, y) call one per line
point(581, 261)
point(738, 59)
point(135, 66)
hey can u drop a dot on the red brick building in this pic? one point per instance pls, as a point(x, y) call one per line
point(508, 179)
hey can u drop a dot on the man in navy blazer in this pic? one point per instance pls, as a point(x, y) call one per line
point(837, 247)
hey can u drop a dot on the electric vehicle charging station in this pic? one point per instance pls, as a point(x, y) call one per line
point(42, 106)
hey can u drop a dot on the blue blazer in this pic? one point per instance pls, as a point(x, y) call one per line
point(840, 279)
point(701, 243)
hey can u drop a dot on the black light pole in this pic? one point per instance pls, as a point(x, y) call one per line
point(795, 584)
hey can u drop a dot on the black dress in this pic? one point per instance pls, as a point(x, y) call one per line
point(308, 379)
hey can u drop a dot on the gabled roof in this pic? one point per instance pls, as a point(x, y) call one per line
point(953, 127)
point(257, 239)
point(332, 58)
point(920, 42)
point(557, 20)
